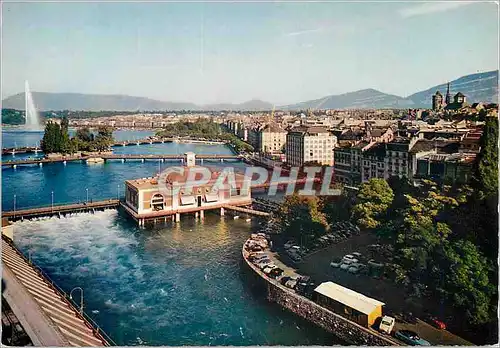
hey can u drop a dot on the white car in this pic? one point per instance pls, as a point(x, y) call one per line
point(387, 324)
point(349, 260)
point(356, 254)
point(335, 264)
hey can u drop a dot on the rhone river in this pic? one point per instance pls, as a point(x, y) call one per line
point(170, 284)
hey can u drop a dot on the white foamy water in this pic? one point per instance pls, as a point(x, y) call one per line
point(163, 285)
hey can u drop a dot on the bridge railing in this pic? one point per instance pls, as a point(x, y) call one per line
point(98, 331)
point(62, 205)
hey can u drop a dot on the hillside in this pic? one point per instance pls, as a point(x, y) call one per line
point(96, 102)
point(363, 99)
point(481, 87)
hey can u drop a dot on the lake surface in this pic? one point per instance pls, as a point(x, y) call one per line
point(173, 284)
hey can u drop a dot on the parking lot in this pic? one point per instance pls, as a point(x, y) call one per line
point(317, 265)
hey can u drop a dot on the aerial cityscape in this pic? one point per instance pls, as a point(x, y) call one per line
point(243, 174)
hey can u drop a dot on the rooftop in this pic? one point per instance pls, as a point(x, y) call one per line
point(442, 146)
point(308, 130)
point(348, 297)
point(182, 178)
point(273, 128)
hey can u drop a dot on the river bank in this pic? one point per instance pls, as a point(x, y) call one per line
point(342, 328)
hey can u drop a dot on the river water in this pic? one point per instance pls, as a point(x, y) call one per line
point(173, 284)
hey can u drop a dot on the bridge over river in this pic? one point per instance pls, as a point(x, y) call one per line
point(123, 157)
point(147, 141)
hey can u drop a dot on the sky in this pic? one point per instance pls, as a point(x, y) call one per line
point(214, 52)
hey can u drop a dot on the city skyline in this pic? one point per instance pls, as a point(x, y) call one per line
point(233, 52)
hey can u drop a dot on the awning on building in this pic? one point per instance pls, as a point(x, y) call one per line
point(211, 198)
point(188, 200)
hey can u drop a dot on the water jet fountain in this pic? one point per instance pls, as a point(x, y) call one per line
point(32, 119)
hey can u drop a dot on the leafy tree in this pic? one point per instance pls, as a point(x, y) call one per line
point(486, 167)
point(462, 277)
point(301, 218)
point(337, 208)
point(104, 139)
point(48, 143)
point(373, 200)
point(85, 135)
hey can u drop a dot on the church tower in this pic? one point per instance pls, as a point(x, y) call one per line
point(448, 95)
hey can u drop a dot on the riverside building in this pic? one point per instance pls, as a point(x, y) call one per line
point(151, 199)
point(310, 144)
point(272, 139)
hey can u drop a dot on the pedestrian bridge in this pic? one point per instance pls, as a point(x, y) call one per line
point(246, 210)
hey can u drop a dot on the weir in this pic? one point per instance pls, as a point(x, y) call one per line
point(58, 210)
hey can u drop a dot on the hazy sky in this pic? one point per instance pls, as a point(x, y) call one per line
point(232, 52)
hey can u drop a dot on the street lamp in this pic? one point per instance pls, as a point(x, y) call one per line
point(14, 206)
point(118, 191)
point(52, 200)
point(87, 201)
point(81, 297)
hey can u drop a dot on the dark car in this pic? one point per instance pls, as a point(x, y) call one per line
point(409, 318)
point(411, 338)
point(283, 280)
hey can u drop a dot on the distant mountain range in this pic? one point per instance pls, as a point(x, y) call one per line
point(99, 102)
point(481, 87)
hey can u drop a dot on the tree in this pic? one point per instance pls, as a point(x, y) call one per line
point(301, 219)
point(462, 275)
point(373, 200)
point(52, 138)
point(84, 135)
point(104, 139)
point(486, 166)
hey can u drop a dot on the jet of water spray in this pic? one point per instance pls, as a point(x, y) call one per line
point(32, 118)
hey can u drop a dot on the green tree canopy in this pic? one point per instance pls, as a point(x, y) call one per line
point(373, 200)
point(486, 168)
point(301, 218)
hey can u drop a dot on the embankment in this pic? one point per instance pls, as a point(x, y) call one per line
point(344, 329)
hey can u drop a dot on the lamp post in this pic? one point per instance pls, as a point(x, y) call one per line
point(52, 200)
point(118, 191)
point(14, 206)
point(87, 201)
point(81, 297)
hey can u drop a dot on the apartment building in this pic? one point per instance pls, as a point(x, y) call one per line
point(310, 144)
point(348, 161)
point(272, 139)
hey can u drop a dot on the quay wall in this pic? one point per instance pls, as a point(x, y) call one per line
point(341, 327)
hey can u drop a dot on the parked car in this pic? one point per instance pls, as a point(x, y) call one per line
point(409, 318)
point(387, 324)
point(344, 266)
point(276, 272)
point(335, 264)
point(372, 263)
point(438, 324)
point(411, 338)
point(356, 268)
point(283, 280)
point(349, 260)
point(356, 254)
